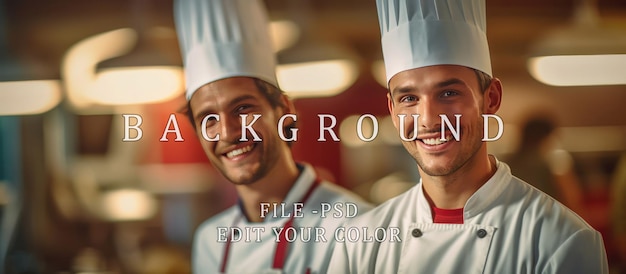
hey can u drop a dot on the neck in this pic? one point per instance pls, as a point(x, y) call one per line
point(272, 188)
point(452, 191)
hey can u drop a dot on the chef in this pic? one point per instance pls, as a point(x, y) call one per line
point(467, 214)
point(235, 105)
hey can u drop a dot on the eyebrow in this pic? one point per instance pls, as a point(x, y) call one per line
point(449, 82)
point(201, 115)
point(400, 90)
point(241, 98)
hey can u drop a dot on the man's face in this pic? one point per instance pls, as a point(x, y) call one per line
point(429, 92)
point(241, 162)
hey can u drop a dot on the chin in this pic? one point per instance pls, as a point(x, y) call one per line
point(245, 177)
point(439, 167)
point(436, 171)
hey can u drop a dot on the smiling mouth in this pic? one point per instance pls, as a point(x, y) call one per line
point(436, 141)
point(239, 151)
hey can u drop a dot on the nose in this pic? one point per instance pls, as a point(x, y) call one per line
point(230, 128)
point(429, 115)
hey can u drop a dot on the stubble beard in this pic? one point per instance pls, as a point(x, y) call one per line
point(452, 167)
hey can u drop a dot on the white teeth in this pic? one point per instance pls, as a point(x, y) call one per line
point(436, 141)
point(238, 151)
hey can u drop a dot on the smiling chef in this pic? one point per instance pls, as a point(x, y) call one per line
point(235, 104)
point(467, 214)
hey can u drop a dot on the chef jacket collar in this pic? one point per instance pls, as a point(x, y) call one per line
point(423, 207)
point(489, 192)
point(478, 202)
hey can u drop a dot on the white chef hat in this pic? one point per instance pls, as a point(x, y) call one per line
point(420, 33)
point(224, 38)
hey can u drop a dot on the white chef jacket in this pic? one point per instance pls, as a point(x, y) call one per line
point(509, 227)
point(311, 248)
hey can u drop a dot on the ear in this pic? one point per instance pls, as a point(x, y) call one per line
point(289, 107)
point(492, 97)
point(391, 110)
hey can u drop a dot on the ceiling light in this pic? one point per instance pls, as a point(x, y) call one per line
point(313, 66)
point(316, 69)
point(284, 34)
point(146, 74)
point(116, 83)
point(21, 91)
point(317, 78)
point(579, 70)
point(19, 95)
point(583, 54)
point(29, 97)
point(79, 62)
point(136, 85)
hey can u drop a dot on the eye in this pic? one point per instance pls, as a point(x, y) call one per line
point(408, 98)
point(210, 122)
point(449, 93)
point(243, 108)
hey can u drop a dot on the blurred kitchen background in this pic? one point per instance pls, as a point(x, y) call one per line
point(76, 198)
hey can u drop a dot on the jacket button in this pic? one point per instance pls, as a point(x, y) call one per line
point(481, 233)
point(416, 233)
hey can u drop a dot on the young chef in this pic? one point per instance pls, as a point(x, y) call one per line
point(233, 96)
point(468, 214)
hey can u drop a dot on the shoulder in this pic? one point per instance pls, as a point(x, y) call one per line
point(551, 223)
point(539, 206)
point(206, 245)
point(207, 230)
point(555, 238)
point(361, 255)
point(582, 252)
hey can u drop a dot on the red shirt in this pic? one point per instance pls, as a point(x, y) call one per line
point(447, 216)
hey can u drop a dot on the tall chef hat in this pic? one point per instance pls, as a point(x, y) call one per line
point(224, 38)
point(420, 33)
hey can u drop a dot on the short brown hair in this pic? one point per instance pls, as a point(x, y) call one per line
point(484, 80)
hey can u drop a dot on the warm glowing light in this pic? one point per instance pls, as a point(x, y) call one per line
point(136, 85)
point(80, 61)
point(87, 89)
point(284, 34)
point(579, 70)
point(128, 205)
point(348, 131)
point(378, 70)
point(29, 97)
point(388, 132)
point(316, 79)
